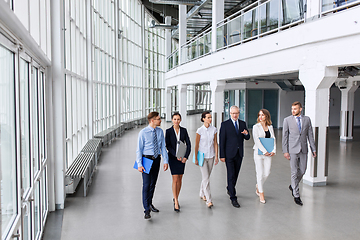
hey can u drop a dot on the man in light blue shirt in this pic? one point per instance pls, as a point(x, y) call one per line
point(151, 143)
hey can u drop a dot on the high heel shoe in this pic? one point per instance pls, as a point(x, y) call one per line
point(203, 198)
point(257, 191)
point(261, 195)
point(176, 209)
point(210, 204)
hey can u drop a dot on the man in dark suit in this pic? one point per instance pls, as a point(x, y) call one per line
point(232, 135)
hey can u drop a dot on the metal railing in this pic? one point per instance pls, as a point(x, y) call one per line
point(252, 22)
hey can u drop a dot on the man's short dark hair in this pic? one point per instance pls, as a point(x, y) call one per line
point(297, 103)
point(152, 115)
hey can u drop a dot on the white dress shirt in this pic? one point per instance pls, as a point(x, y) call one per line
point(206, 144)
point(177, 139)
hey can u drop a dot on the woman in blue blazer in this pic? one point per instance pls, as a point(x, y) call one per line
point(173, 136)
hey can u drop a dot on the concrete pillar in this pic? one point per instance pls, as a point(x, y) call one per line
point(317, 81)
point(58, 110)
point(182, 90)
point(182, 33)
point(217, 16)
point(168, 104)
point(217, 101)
point(167, 41)
point(347, 110)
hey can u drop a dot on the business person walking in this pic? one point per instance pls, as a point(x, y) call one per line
point(232, 135)
point(173, 136)
point(262, 129)
point(206, 142)
point(151, 143)
point(297, 130)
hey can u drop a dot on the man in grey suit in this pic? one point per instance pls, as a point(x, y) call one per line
point(297, 130)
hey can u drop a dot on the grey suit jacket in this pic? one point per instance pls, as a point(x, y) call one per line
point(294, 141)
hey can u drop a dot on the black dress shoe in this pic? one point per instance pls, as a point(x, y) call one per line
point(291, 189)
point(153, 208)
point(235, 203)
point(298, 201)
point(147, 215)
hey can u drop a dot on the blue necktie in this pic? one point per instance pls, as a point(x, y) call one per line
point(156, 146)
point(298, 123)
point(236, 127)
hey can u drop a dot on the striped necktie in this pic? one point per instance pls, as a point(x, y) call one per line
point(156, 146)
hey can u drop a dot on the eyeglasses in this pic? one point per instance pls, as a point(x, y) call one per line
point(157, 118)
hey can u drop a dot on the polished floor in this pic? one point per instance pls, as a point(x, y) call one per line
point(113, 207)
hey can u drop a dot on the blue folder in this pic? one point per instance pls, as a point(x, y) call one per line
point(147, 163)
point(200, 158)
point(268, 144)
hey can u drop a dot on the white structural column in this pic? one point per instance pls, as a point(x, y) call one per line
point(182, 90)
point(143, 63)
point(58, 110)
point(317, 81)
point(89, 60)
point(182, 32)
point(217, 16)
point(217, 101)
point(167, 54)
point(347, 110)
point(168, 104)
point(313, 9)
point(167, 41)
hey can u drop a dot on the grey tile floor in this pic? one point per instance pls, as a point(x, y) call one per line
point(113, 207)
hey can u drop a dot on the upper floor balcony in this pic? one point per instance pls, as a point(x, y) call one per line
point(255, 21)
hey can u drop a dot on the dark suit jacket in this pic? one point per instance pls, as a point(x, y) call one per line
point(230, 142)
point(171, 141)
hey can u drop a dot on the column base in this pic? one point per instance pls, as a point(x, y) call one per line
point(314, 184)
point(346, 139)
point(59, 206)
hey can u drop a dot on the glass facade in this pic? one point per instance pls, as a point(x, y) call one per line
point(23, 155)
point(154, 67)
point(113, 65)
point(103, 47)
point(131, 60)
point(7, 139)
point(75, 77)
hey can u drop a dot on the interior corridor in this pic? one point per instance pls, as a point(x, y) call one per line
point(113, 208)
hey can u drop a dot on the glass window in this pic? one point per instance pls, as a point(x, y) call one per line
point(7, 140)
point(292, 11)
point(25, 125)
point(35, 120)
point(37, 214)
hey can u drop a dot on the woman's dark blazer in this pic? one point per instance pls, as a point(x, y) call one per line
point(171, 141)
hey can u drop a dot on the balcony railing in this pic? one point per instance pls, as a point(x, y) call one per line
point(252, 22)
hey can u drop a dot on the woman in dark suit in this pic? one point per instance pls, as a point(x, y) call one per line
point(173, 136)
